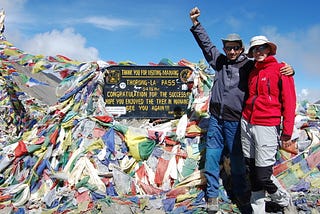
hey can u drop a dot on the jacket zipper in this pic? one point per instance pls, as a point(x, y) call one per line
point(255, 97)
point(224, 91)
point(269, 89)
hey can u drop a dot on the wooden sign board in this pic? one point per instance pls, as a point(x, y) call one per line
point(147, 91)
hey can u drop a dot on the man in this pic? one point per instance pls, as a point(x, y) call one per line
point(227, 100)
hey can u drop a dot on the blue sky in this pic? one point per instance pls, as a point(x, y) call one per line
point(144, 31)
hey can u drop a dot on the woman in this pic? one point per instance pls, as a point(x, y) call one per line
point(271, 102)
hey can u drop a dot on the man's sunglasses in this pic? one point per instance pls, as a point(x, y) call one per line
point(235, 48)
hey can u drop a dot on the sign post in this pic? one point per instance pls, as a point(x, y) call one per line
point(147, 91)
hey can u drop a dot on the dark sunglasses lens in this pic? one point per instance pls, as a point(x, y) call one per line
point(236, 48)
point(229, 48)
point(260, 48)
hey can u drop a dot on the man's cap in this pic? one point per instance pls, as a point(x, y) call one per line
point(233, 37)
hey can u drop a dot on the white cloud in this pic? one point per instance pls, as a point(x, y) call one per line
point(234, 22)
point(12, 5)
point(107, 23)
point(312, 95)
point(298, 48)
point(149, 29)
point(66, 42)
point(304, 92)
point(15, 13)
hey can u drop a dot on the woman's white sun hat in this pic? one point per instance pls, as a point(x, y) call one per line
point(260, 40)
